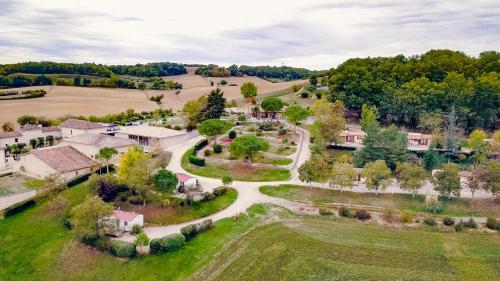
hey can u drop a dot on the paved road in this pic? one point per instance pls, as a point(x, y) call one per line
point(16, 198)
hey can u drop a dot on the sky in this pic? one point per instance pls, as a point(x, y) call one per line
point(315, 34)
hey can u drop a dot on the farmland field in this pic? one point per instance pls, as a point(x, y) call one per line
point(62, 100)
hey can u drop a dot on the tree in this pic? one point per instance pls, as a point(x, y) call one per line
point(307, 172)
point(377, 175)
point(495, 143)
point(77, 80)
point(248, 146)
point(474, 182)
point(295, 113)
point(27, 119)
point(492, 177)
point(322, 169)
point(227, 180)
point(214, 106)
point(477, 143)
point(447, 181)
point(7, 127)
point(50, 139)
point(369, 116)
point(249, 91)
point(40, 141)
point(343, 175)
point(33, 143)
point(88, 218)
point(135, 170)
point(272, 105)
point(452, 131)
point(164, 180)
point(431, 159)
point(191, 111)
point(106, 153)
point(213, 128)
point(411, 178)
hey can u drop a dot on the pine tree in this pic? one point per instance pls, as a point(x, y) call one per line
point(214, 106)
point(451, 131)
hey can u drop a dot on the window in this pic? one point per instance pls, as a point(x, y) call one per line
point(126, 223)
point(76, 173)
point(16, 139)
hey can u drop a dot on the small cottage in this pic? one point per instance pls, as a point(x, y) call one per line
point(127, 220)
point(186, 181)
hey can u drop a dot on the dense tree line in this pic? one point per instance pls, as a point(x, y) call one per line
point(279, 72)
point(409, 89)
point(141, 70)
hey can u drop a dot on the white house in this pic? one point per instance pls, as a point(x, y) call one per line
point(90, 143)
point(32, 132)
point(127, 220)
point(186, 181)
point(10, 138)
point(152, 138)
point(73, 127)
point(419, 141)
point(352, 137)
point(65, 161)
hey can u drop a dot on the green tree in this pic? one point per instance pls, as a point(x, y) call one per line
point(447, 181)
point(431, 159)
point(50, 139)
point(377, 176)
point(477, 143)
point(88, 218)
point(77, 80)
point(164, 180)
point(249, 91)
point(295, 113)
point(214, 105)
point(452, 131)
point(227, 180)
point(272, 105)
point(495, 143)
point(105, 154)
point(307, 172)
point(492, 177)
point(213, 128)
point(411, 177)
point(135, 170)
point(33, 143)
point(343, 175)
point(248, 146)
point(27, 119)
point(369, 116)
point(142, 239)
point(322, 169)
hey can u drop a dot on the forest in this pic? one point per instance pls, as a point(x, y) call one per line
point(278, 72)
point(419, 91)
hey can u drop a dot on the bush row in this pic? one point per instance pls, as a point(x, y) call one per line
point(219, 191)
point(193, 159)
point(167, 244)
point(192, 230)
point(123, 249)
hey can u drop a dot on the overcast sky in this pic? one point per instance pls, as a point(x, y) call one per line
point(307, 33)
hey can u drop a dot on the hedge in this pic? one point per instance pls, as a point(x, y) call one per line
point(18, 207)
point(201, 144)
point(123, 249)
point(190, 231)
point(193, 159)
point(167, 244)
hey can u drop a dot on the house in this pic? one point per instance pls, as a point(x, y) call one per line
point(352, 137)
point(126, 220)
point(186, 181)
point(10, 138)
point(153, 138)
point(3, 161)
point(90, 143)
point(65, 161)
point(73, 127)
point(419, 140)
point(35, 131)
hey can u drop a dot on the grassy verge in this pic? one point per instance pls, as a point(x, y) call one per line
point(272, 160)
point(403, 202)
point(33, 183)
point(36, 246)
point(154, 214)
point(238, 172)
point(322, 249)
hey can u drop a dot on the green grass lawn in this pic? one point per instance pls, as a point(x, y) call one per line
point(404, 202)
point(36, 246)
point(237, 171)
point(34, 183)
point(322, 249)
point(155, 214)
point(283, 149)
point(260, 158)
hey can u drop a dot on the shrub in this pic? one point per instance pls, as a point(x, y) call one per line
point(242, 118)
point(142, 239)
point(136, 229)
point(217, 148)
point(204, 225)
point(430, 221)
point(432, 204)
point(207, 152)
point(304, 95)
point(232, 135)
point(197, 161)
point(189, 231)
point(282, 131)
point(207, 196)
point(177, 127)
point(219, 191)
point(344, 212)
point(201, 144)
point(407, 217)
point(123, 249)
point(325, 212)
point(389, 216)
point(448, 221)
point(470, 224)
point(459, 226)
point(223, 82)
point(492, 223)
point(362, 215)
point(167, 244)
point(136, 200)
point(266, 126)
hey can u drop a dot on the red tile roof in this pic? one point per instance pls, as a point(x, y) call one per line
point(183, 177)
point(80, 124)
point(125, 216)
point(64, 159)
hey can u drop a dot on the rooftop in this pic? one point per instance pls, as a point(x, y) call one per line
point(125, 216)
point(100, 140)
point(30, 127)
point(5, 135)
point(150, 131)
point(64, 159)
point(183, 177)
point(80, 124)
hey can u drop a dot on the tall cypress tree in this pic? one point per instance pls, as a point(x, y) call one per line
point(214, 105)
